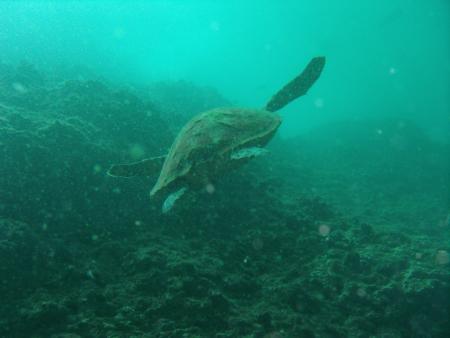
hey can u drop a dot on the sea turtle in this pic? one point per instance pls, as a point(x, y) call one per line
point(216, 141)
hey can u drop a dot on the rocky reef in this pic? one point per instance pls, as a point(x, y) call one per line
point(265, 253)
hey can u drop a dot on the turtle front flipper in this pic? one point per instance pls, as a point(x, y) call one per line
point(243, 155)
point(248, 153)
point(169, 202)
point(148, 167)
point(298, 86)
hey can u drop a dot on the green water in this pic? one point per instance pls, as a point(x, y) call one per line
point(385, 58)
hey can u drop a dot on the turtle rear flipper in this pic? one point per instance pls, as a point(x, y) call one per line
point(148, 167)
point(298, 86)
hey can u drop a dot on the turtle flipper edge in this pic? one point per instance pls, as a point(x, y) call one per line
point(147, 167)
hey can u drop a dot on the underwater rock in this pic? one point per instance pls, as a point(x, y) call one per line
point(61, 149)
point(253, 258)
point(362, 167)
point(25, 258)
point(44, 313)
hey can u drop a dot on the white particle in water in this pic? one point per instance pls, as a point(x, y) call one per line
point(90, 274)
point(324, 230)
point(210, 189)
point(361, 292)
point(442, 257)
point(97, 168)
point(257, 244)
point(19, 87)
point(137, 151)
point(119, 33)
point(319, 102)
point(214, 26)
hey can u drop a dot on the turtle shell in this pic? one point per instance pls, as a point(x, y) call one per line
point(202, 150)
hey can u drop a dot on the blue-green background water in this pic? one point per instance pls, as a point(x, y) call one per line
point(384, 58)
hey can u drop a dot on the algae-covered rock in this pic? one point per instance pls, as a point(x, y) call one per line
point(266, 253)
point(56, 141)
point(24, 258)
